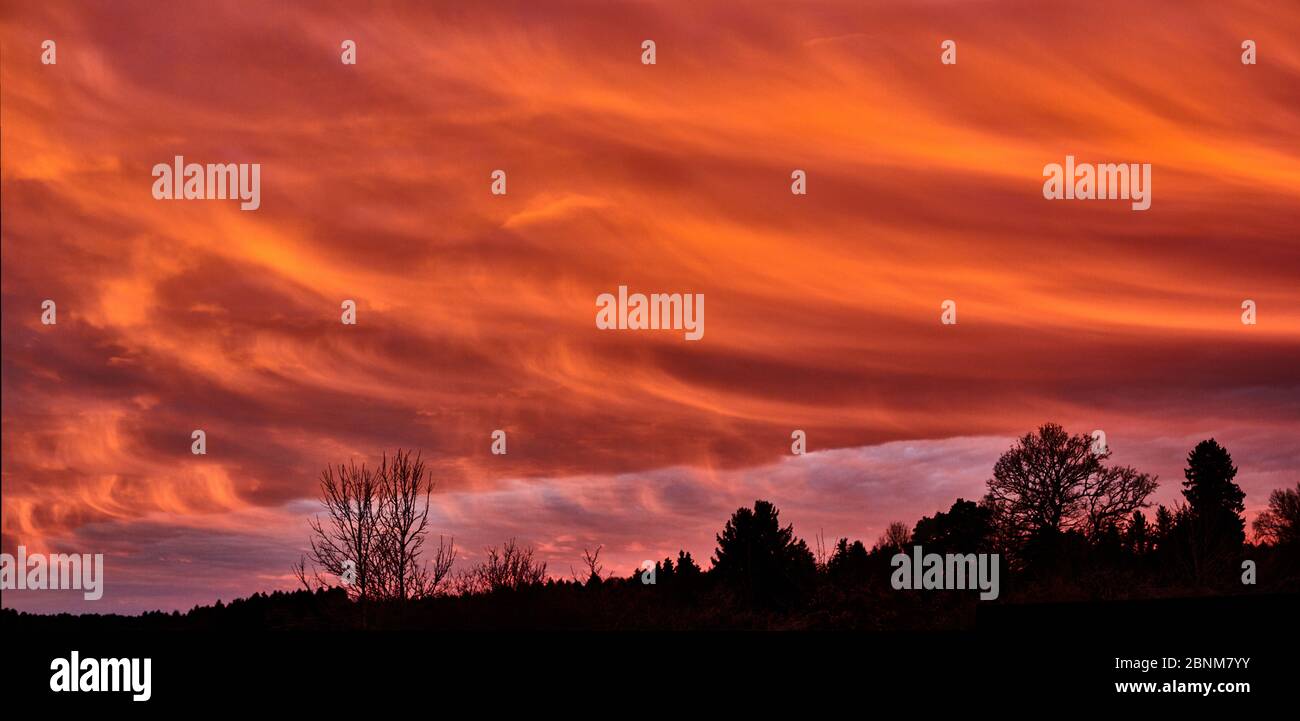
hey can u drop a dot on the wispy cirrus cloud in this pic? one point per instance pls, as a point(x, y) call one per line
point(476, 312)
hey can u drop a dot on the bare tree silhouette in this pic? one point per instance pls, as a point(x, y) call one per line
point(1279, 524)
point(344, 544)
point(373, 535)
point(403, 519)
point(1050, 482)
point(510, 567)
point(1111, 495)
point(594, 567)
point(820, 553)
point(896, 538)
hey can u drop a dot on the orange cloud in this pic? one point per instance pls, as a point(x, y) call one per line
point(476, 312)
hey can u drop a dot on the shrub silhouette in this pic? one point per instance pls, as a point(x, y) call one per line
point(511, 567)
point(849, 563)
point(967, 527)
point(685, 574)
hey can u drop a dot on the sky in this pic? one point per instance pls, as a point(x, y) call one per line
point(475, 311)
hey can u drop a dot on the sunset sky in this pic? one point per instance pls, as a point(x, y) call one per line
point(476, 312)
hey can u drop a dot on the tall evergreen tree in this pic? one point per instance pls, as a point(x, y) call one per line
point(1209, 531)
point(1138, 534)
point(760, 558)
point(1215, 501)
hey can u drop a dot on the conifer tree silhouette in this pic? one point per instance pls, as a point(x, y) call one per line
point(763, 561)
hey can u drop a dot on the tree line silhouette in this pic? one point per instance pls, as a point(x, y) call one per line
point(1066, 525)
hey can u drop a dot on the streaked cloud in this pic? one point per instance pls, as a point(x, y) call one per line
point(476, 312)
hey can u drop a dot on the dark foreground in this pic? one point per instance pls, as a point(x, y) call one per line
point(1014, 659)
